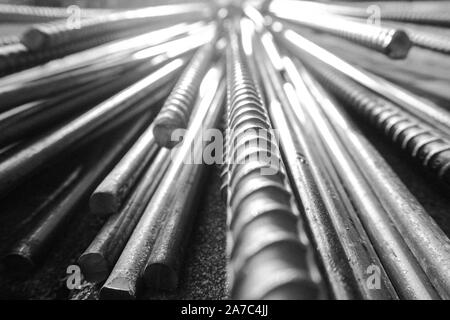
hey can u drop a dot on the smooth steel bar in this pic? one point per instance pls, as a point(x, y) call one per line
point(99, 258)
point(346, 276)
point(430, 113)
point(29, 251)
point(35, 154)
point(392, 42)
point(14, 96)
point(109, 196)
point(409, 279)
point(426, 240)
point(268, 258)
point(162, 271)
point(357, 246)
point(423, 144)
point(177, 110)
point(30, 118)
point(125, 279)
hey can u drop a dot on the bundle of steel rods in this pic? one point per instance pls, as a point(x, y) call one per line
point(141, 103)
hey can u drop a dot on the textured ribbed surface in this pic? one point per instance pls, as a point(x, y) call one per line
point(416, 16)
point(418, 141)
point(430, 40)
point(268, 260)
point(8, 40)
point(391, 42)
point(58, 33)
point(177, 109)
point(16, 57)
point(23, 14)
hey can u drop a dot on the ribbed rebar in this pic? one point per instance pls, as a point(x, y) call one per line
point(419, 141)
point(434, 115)
point(268, 259)
point(59, 33)
point(27, 14)
point(441, 18)
point(413, 12)
point(429, 40)
point(177, 109)
point(426, 39)
point(16, 57)
point(389, 41)
point(9, 40)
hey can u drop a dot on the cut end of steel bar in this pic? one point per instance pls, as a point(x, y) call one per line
point(18, 263)
point(103, 203)
point(399, 45)
point(94, 266)
point(117, 289)
point(163, 131)
point(160, 277)
point(33, 39)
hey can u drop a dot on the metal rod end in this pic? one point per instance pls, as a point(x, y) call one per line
point(160, 277)
point(399, 46)
point(117, 289)
point(163, 132)
point(94, 266)
point(104, 203)
point(18, 263)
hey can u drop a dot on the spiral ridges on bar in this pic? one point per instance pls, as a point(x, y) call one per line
point(268, 259)
point(418, 17)
point(21, 13)
point(9, 40)
point(178, 107)
point(392, 42)
point(57, 33)
point(430, 40)
point(420, 142)
point(16, 57)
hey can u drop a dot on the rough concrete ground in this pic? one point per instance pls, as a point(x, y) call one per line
point(203, 275)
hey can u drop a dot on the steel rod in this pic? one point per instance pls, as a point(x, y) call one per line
point(22, 121)
point(409, 279)
point(58, 33)
point(31, 14)
point(392, 42)
point(35, 154)
point(426, 240)
point(345, 275)
point(432, 114)
point(421, 143)
point(110, 194)
point(162, 271)
point(177, 110)
point(115, 50)
point(125, 279)
point(30, 250)
point(267, 257)
point(99, 258)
